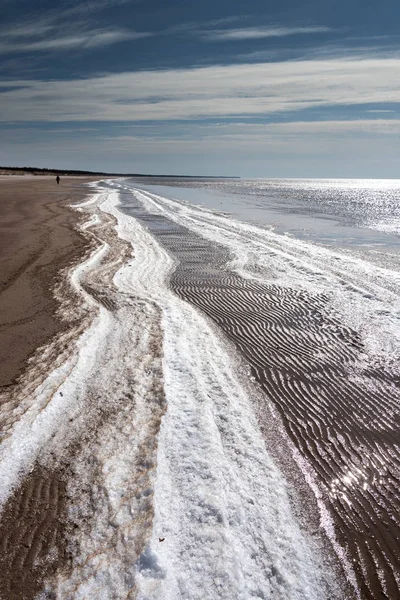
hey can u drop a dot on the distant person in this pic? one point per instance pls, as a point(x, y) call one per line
point(58, 180)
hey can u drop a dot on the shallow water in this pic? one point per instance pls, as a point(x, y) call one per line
point(362, 215)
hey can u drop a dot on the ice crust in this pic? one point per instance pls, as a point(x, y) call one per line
point(221, 506)
point(365, 297)
point(198, 510)
point(54, 401)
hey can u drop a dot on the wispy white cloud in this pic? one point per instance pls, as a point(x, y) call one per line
point(197, 27)
point(95, 38)
point(253, 33)
point(215, 91)
point(252, 136)
point(328, 51)
point(94, 6)
point(331, 127)
point(47, 33)
point(28, 29)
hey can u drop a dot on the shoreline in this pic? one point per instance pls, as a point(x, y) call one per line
point(305, 359)
point(39, 243)
point(94, 455)
point(38, 239)
point(152, 307)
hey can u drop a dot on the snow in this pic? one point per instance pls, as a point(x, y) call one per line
point(365, 297)
point(176, 497)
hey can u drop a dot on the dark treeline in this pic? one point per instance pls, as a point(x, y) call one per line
point(44, 171)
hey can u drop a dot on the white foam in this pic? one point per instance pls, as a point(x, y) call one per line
point(220, 503)
point(129, 374)
point(388, 225)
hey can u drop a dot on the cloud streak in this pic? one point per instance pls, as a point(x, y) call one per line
point(254, 33)
point(95, 6)
point(42, 34)
point(87, 39)
point(217, 91)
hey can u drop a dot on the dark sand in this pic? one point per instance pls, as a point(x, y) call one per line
point(37, 240)
point(32, 535)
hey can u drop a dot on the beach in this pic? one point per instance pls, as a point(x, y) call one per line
point(318, 325)
point(199, 300)
point(39, 238)
point(189, 406)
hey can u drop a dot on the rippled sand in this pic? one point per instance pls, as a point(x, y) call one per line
point(341, 414)
point(198, 431)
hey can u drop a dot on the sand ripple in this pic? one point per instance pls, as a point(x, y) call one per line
point(341, 416)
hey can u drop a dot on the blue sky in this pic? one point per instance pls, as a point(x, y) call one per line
point(257, 89)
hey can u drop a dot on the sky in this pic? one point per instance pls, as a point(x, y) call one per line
point(295, 88)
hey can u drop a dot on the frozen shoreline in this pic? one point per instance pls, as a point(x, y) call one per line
point(203, 483)
point(319, 329)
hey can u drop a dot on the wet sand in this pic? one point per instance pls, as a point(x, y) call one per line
point(37, 240)
point(32, 534)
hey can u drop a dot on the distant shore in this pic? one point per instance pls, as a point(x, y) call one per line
point(13, 171)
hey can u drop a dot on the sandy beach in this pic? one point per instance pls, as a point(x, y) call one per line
point(179, 419)
point(199, 300)
point(126, 443)
point(38, 239)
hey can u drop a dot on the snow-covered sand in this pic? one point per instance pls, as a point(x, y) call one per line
point(173, 494)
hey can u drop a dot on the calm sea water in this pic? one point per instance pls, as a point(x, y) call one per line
point(361, 215)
